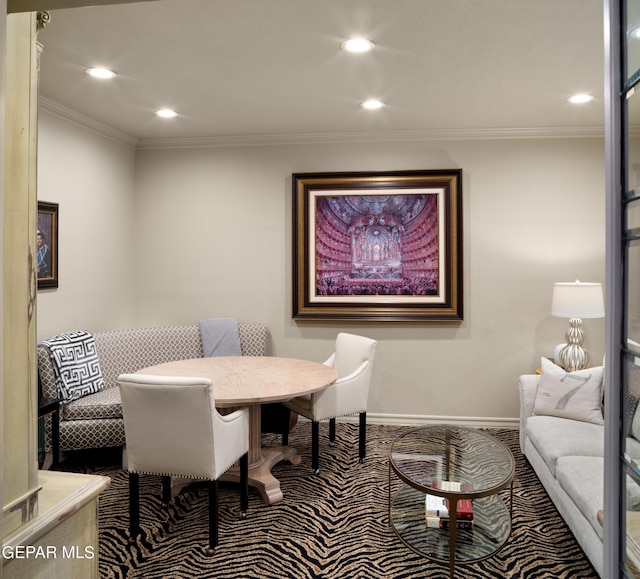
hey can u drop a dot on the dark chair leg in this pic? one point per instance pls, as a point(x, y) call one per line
point(166, 490)
point(213, 517)
point(244, 484)
point(55, 439)
point(315, 446)
point(362, 442)
point(134, 506)
point(332, 429)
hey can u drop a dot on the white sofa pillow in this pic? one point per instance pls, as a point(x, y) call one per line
point(575, 395)
point(76, 365)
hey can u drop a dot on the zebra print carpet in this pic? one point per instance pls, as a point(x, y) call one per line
point(330, 526)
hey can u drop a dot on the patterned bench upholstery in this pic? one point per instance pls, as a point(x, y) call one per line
point(95, 420)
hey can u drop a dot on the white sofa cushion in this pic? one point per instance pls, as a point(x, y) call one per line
point(582, 478)
point(554, 437)
point(576, 395)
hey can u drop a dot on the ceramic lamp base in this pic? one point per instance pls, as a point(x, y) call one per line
point(573, 356)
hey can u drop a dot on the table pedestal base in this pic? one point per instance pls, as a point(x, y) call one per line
point(261, 461)
point(260, 475)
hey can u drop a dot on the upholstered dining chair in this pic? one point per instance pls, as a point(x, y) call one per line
point(172, 428)
point(353, 362)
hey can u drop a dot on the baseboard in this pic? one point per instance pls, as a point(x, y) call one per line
point(422, 419)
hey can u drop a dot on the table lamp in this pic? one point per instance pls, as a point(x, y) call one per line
point(576, 300)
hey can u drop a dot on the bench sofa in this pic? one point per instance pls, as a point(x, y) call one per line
point(567, 456)
point(95, 420)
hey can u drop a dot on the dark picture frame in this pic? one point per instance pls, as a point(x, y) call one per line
point(46, 252)
point(380, 246)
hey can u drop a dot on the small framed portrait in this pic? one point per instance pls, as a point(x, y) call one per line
point(46, 254)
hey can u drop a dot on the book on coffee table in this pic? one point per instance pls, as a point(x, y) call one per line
point(465, 506)
point(437, 508)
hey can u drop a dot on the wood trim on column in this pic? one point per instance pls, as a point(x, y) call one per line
point(20, 391)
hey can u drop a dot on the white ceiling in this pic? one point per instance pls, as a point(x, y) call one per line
point(237, 68)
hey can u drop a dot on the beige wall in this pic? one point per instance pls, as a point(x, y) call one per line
point(208, 233)
point(91, 177)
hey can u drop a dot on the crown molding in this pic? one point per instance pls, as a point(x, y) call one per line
point(320, 138)
point(373, 137)
point(76, 118)
point(34, 5)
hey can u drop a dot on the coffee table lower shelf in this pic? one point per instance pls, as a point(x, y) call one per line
point(491, 530)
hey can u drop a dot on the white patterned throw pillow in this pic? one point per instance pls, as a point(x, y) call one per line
point(575, 395)
point(75, 364)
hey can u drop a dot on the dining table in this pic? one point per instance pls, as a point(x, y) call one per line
point(250, 381)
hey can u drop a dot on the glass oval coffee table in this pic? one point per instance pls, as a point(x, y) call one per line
point(467, 467)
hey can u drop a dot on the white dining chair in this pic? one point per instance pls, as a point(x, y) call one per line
point(353, 362)
point(173, 429)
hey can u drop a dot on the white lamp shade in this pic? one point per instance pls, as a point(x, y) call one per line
point(577, 300)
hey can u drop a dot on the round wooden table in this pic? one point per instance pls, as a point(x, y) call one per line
point(240, 381)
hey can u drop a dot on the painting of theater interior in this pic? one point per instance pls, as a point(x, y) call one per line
point(377, 245)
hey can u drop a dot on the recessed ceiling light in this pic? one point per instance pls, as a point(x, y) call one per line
point(357, 45)
point(635, 32)
point(100, 72)
point(166, 113)
point(372, 104)
point(580, 98)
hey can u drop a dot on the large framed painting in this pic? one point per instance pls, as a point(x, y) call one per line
point(47, 245)
point(378, 246)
